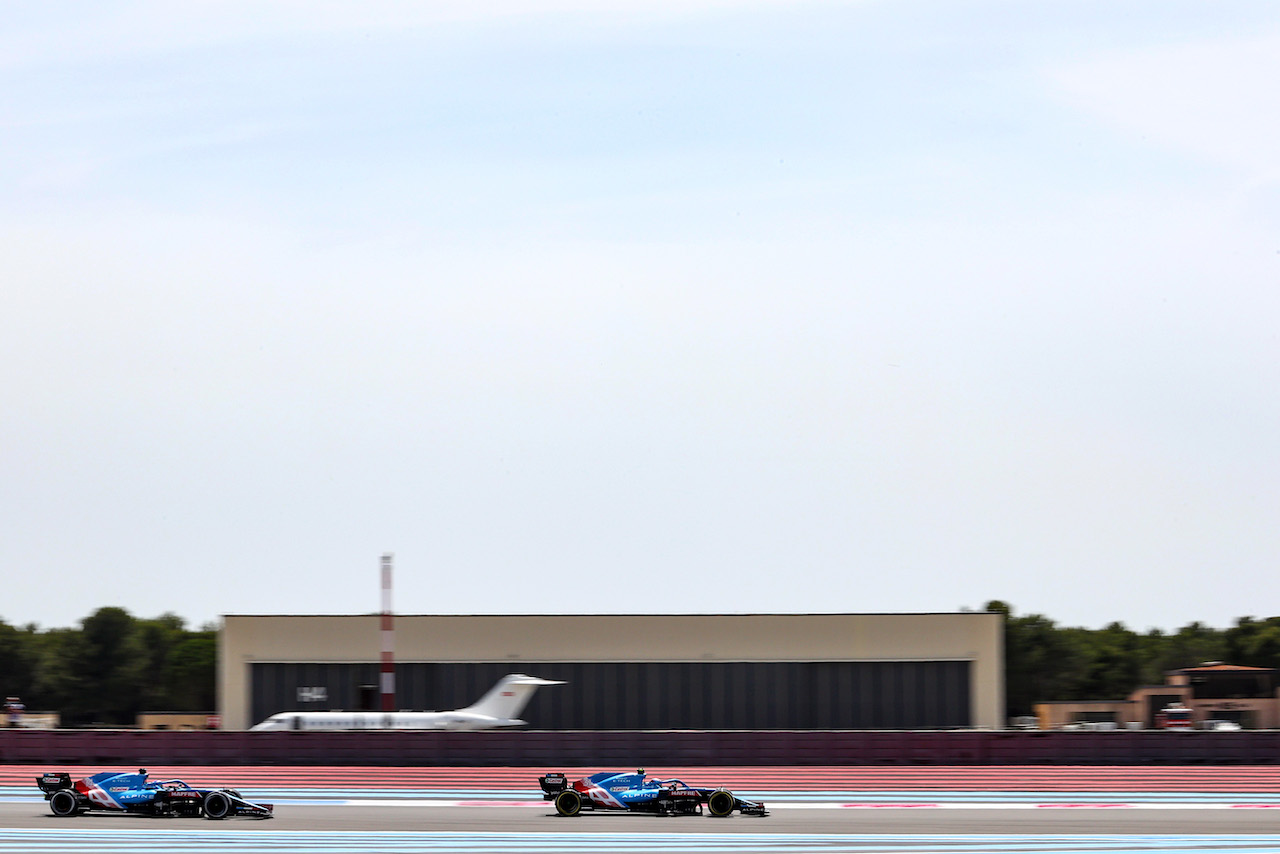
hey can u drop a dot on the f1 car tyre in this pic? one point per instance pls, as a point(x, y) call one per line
point(568, 803)
point(64, 803)
point(720, 803)
point(217, 805)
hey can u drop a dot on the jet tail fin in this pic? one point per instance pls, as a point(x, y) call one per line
point(508, 698)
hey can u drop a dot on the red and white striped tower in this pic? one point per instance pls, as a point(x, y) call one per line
point(388, 645)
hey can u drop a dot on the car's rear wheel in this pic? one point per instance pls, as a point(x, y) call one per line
point(720, 803)
point(64, 803)
point(568, 803)
point(217, 805)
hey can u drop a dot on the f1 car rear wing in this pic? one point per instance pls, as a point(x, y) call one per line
point(53, 781)
point(552, 785)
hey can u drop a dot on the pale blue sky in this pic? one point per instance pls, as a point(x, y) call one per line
point(641, 307)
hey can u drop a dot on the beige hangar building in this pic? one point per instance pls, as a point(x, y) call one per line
point(633, 671)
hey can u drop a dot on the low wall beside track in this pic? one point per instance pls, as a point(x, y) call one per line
point(606, 748)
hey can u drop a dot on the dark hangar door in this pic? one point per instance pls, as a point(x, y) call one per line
point(310, 688)
point(654, 695)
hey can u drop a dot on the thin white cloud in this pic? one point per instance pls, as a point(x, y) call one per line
point(84, 32)
point(1216, 99)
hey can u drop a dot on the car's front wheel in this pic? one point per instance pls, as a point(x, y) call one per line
point(720, 803)
point(217, 805)
point(64, 803)
point(568, 803)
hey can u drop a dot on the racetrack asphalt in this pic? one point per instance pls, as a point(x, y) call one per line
point(493, 811)
point(539, 818)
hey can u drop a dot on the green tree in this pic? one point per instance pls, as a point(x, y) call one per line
point(1112, 666)
point(1255, 643)
point(157, 639)
point(193, 667)
point(16, 661)
point(58, 684)
point(114, 666)
point(1262, 648)
point(110, 667)
point(1194, 643)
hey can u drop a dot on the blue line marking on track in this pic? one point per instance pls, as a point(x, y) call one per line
point(73, 841)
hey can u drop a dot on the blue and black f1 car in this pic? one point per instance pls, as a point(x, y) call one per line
point(612, 790)
point(133, 793)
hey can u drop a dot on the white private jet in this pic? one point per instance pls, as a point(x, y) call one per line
point(497, 708)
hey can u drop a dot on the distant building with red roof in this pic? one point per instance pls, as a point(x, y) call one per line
point(1241, 696)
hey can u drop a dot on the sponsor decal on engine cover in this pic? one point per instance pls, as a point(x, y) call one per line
point(604, 798)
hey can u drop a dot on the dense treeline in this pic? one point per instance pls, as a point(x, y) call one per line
point(1046, 662)
point(110, 668)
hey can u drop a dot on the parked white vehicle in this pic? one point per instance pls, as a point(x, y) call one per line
point(1219, 725)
